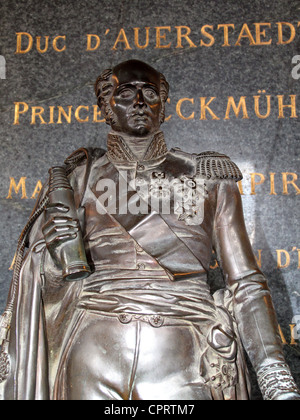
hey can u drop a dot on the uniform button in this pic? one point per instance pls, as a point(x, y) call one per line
point(141, 266)
point(125, 318)
point(156, 321)
point(140, 167)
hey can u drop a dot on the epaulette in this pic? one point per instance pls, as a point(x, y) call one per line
point(80, 155)
point(216, 165)
point(213, 165)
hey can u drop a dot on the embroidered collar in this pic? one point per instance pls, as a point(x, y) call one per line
point(118, 150)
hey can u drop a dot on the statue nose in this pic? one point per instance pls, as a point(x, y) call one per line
point(140, 100)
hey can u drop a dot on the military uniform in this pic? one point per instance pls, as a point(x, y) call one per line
point(144, 325)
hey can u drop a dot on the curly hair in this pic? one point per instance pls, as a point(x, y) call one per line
point(104, 88)
point(103, 91)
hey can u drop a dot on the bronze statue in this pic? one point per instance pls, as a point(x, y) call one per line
point(129, 315)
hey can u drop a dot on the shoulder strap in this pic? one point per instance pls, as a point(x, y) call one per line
point(216, 165)
point(212, 165)
point(76, 158)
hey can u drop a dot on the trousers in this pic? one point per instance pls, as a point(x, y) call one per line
point(111, 358)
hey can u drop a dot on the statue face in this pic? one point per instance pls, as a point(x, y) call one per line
point(135, 101)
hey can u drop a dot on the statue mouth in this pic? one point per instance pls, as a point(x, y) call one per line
point(140, 117)
point(140, 114)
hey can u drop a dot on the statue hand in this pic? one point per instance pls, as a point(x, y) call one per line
point(58, 230)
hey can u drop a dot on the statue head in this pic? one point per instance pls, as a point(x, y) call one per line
point(132, 98)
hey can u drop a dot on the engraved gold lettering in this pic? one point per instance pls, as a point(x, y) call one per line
point(298, 250)
point(257, 107)
point(240, 186)
point(18, 111)
point(122, 38)
point(136, 38)
point(245, 33)
point(262, 33)
point(37, 189)
point(281, 335)
point(292, 329)
point(178, 109)
point(37, 111)
point(21, 35)
point(77, 114)
point(62, 112)
point(38, 44)
point(236, 108)
point(185, 35)
point(205, 107)
point(292, 34)
point(258, 258)
point(281, 106)
point(272, 182)
point(16, 187)
point(207, 35)
point(97, 113)
point(226, 33)
point(280, 263)
point(93, 42)
point(51, 114)
point(254, 183)
point(286, 182)
point(162, 37)
point(21, 185)
point(185, 109)
point(55, 41)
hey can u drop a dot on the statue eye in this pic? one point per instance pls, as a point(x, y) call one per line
point(126, 93)
point(150, 93)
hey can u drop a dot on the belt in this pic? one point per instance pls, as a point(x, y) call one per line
point(154, 320)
